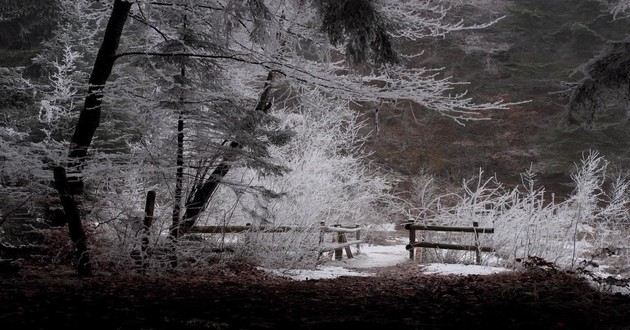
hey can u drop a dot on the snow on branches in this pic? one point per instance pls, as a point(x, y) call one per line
point(620, 7)
point(187, 108)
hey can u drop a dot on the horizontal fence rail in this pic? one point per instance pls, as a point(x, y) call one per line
point(339, 240)
point(269, 229)
point(332, 247)
point(475, 230)
point(242, 229)
point(341, 229)
point(480, 230)
point(447, 246)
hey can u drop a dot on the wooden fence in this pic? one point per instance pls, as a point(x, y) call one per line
point(475, 229)
point(339, 240)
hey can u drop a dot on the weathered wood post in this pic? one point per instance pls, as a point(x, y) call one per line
point(477, 248)
point(339, 251)
point(344, 239)
point(248, 233)
point(322, 233)
point(149, 208)
point(412, 239)
point(358, 238)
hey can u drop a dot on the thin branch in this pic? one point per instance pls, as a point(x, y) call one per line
point(153, 27)
point(168, 4)
point(6, 216)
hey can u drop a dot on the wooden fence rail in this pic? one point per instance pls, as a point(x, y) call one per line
point(475, 229)
point(242, 229)
point(339, 240)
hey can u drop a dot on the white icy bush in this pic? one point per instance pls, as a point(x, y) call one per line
point(529, 221)
point(329, 180)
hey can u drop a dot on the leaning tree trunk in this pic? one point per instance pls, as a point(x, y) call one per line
point(204, 192)
point(75, 227)
point(90, 115)
point(84, 132)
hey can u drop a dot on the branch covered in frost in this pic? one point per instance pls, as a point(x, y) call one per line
point(415, 20)
point(620, 7)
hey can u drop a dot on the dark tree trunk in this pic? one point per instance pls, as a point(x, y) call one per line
point(84, 133)
point(179, 176)
point(204, 192)
point(149, 208)
point(90, 115)
point(73, 218)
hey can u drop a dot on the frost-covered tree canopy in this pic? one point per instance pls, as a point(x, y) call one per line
point(620, 7)
point(233, 111)
point(186, 163)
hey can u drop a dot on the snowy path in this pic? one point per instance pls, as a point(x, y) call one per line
point(375, 257)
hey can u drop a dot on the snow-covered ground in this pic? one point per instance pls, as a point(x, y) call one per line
point(459, 269)
point(321, 272)
point(373, 257)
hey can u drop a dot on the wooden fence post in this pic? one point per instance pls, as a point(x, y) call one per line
point(149, 208)
point(322, 233)
point(412, 239)
point(338, 252)
point(347, 248)
point(248, 233)
point(358, 237)
point(477, 250)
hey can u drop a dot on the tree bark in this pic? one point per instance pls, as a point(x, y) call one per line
point(85, 128)
point(149, 208)
point(90, 115)
point(75, 227)
point(179, 174)
point(204, 193)
point(179, 177)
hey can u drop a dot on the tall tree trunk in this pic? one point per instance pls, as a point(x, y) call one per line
point(204, 192)
point(84, 133)
point(179, 174)
point(75, 227)
point(90, 115)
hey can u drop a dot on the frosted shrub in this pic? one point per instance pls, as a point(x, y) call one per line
point(528, 221)
point(619, 7)
point(328, 180)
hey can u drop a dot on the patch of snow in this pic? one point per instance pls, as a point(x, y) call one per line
point(321, 272)
point(376, 256)
point(385, 227)
point(460, 269)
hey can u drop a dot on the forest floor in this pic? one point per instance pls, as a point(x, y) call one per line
point(243, 297)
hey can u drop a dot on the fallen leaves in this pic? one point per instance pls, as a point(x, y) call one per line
point(250, 299)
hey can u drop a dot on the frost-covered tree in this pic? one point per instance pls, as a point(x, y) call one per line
point(619, 7)
point(183, 91)
point(606, 80)
point(530, 221)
